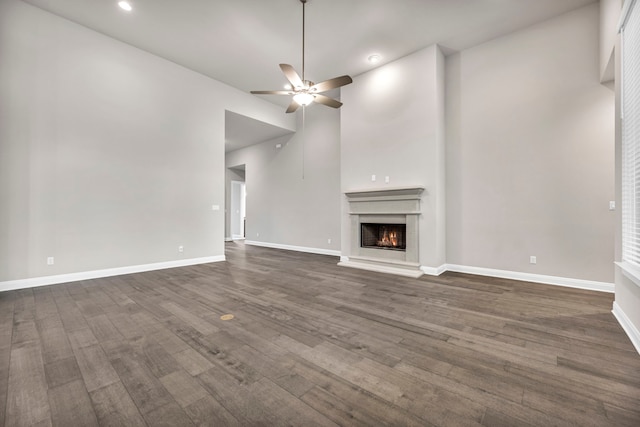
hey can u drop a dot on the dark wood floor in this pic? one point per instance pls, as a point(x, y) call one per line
point(312, 344)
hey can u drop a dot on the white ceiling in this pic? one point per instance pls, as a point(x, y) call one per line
point(241, 42)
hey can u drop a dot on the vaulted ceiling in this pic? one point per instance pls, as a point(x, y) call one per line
point(241, 42)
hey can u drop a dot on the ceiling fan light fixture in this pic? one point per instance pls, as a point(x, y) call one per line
point(304, 91)
point(303, 99)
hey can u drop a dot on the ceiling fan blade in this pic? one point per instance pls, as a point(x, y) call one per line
point(325, 100)
point(291, 75)
point(331, 84)
point(272, 92)
point(292, 107)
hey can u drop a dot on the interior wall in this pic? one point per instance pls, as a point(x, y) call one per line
point(609, 18)
point(530, 152)
point(393, 126)
point(293, 192)
point(111, 157)
point(114, 157)
point(626, 307)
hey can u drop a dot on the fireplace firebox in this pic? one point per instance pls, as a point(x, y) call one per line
point(383, 236)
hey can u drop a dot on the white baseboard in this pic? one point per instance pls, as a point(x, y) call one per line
point(536, 278)
point(96, 274)
point(318, 251)
point(515, 275)
point(434, 271)
point(627, 325)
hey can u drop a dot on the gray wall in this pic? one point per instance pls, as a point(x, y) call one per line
point(113, 157)
point(393, 125)
point(530, 152)
point(609, 17)
point(283, 207)
point(110, 156)
point(529, 149)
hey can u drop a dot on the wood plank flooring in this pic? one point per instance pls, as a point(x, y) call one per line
point(312, 344)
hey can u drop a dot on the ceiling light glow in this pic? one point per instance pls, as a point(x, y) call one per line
point(374, 58)
point(125, 5)
point(303, 98)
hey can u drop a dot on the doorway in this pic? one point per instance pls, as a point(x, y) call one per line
point(238, 210)
point(236, 203)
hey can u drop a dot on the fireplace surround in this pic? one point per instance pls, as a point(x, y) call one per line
point(376, 212)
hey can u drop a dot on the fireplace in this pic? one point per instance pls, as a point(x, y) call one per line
point(383, 236)
point(384, 230)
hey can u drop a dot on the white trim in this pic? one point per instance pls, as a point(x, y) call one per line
point(383, 268)
point(318, 251)
point(434, 271)
point(536, 278)
point(228, 239)
point(590, 285)
point(630, 271)
point(33, 282)
point(624, 14)
point(627, 325)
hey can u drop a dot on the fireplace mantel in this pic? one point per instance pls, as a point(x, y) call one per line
point(390, 201)
point(386, 193)
point(400, 205)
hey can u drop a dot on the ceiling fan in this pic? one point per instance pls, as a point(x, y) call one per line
point(304, 91)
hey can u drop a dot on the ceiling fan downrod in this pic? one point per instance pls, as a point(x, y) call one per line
point(304, 91)
point(304, 3)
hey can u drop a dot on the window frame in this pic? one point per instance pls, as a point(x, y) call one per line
point(630, 152)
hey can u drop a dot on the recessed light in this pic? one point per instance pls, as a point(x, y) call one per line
point(374, 58)
point(125, 5)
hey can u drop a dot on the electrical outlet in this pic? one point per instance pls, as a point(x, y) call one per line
point(50, 260)
point(612, 205)
point(180, 248)
point(373, 177)
point(533, 260)
point(329, 241)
